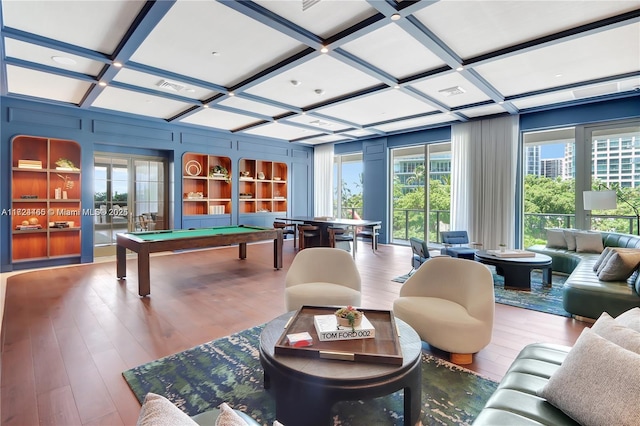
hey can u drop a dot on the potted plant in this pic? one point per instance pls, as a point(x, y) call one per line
point(349, 317)
point(503, 247)
point(219, 171)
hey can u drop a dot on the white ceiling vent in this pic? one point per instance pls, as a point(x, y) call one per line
point(452, 91)
point(320, 123)
point(306, 4)
point(590, 92)
point(170, 85)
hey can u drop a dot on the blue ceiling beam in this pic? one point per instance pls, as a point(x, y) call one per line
point(476, 79)
point(356, 31)
point(265, 101)
point(150, 15)
point(55, 44)
point(421, 96)
point(357, 63)
point(49, 69)
point(596, 27)
point(270, 19)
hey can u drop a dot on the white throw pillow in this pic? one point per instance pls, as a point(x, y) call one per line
point(601, 259)
point(597, 383)
point(159, 411)
point(589, 242)
point(630, 318)
point(570, 238)
point(620, 265)
point(228, 417)
point(617, 333)
point(555, 239)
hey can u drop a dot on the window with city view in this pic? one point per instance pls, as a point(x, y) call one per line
point(415, 180)
point(347, 186)
point(551, 159)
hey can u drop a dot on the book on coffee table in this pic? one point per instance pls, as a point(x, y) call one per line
point(328, 329)
point(511, 253)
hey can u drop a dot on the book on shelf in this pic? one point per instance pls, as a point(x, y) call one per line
point(511, 253)
point(328, 329)
point(30, 164)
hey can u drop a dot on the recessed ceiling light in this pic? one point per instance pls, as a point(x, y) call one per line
point(395, 16)
point(558, 75)
point(397, 86)
point(214, 53)
point(63, 60)
point(501, 102)
point(324, 49)
point(459, 69)
point(102, 83)
point(295, 82)
point(231, 94)
point(319, 91)
point(190, 90)
point(117, 64)
point(205, 106)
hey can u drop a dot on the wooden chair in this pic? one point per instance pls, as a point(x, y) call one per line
point(370, 232)
point(287, 229)
point(308, 231)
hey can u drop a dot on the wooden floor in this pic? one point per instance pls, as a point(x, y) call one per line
point(69, 333)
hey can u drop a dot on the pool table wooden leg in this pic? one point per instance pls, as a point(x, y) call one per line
point(121, 262)
point(144, 276)
point(242, 250)
point(277, 251)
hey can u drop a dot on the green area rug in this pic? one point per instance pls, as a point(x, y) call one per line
point(229, 370)
point(540, 298)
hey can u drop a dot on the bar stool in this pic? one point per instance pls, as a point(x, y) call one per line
point(308, 231)
point(286, 230)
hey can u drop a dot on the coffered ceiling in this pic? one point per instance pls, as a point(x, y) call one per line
point(311, 71)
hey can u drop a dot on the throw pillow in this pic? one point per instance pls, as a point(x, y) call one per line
point(589, 242)
point(602, 257)
point(617, 333)
point(159, 411)
point(620, 265)
point(228, 417)
point(597, 383)
point(630, 318)
point(555, 239)
point(570, 238)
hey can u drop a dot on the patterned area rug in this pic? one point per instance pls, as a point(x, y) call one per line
point(540, 298)
point(229, 370)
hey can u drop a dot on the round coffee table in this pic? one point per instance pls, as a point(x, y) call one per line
point(305, 389)
point(517, 270)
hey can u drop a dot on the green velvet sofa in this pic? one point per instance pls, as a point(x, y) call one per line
point(584, 295)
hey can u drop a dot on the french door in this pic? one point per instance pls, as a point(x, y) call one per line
point(130, 194)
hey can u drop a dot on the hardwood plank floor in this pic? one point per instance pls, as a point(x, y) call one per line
point(68, 333)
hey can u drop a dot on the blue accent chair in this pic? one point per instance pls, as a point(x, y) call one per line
point(420, 253)
point(456, 244)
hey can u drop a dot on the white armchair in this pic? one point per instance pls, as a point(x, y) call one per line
point(450, 304)
point(322, 276)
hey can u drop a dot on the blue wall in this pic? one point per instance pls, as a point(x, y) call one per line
point(104, 131)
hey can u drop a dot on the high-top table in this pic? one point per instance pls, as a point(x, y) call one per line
point(326, 222)
point(517, 270)
point(305, 389)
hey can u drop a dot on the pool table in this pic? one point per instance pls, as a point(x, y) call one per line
point(145, 243)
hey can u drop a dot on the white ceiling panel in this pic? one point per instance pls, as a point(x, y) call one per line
point(163, 85)
point(415, 123)
point(256, 107)
point(218, 119)
point(281, 131)
point(185, 39)
point(394, 51)
point(325, 18)
point(324, 139)
point(138, 103)
point(324, 73)
point(38, 84)
point(360, 133)
point(96, 25)
point(44, 56)
point(484, 26)
point(578, 60)
point(451, 89)
point(378, 107)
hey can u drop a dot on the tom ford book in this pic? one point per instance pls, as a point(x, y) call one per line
point(328, 329)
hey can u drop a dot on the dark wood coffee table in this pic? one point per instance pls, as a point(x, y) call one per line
point(517, 270)
point(305, 388)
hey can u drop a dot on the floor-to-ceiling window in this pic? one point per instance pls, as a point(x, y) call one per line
point(560, 165)
point(347, 186)
point(421, 177)
point(130, 194)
